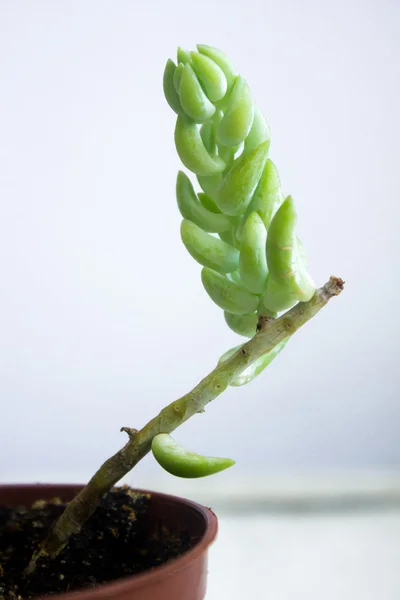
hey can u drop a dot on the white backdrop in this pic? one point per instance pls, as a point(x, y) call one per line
point(103, 318)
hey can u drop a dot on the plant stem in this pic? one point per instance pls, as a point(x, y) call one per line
point(270, 333)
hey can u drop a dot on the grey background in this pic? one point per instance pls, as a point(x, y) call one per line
point(103, 318)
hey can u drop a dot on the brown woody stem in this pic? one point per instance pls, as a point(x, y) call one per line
point(270, 333)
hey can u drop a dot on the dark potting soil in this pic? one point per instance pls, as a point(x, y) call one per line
point(114, 543)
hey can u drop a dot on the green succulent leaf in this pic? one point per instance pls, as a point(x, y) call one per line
point(179, 461)
point(239, 227)
point(193, 100)
point(208, 250)
point(227, 294)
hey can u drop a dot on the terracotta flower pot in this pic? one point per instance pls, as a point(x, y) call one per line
point(183, 578)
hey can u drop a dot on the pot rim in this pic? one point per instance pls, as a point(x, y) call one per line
point(136, 582)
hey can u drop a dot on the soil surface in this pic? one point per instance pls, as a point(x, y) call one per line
point(114, 543)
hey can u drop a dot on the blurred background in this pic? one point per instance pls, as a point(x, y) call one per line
point(103, 317)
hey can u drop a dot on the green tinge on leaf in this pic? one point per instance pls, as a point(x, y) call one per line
point(179, 461)
point(230, 238)
point(207, 134)
point(281, 239)
point(193, 100)
point(192, 152)
point(258, 366)
point(239, 184)
point(307, 286)
point(239, 114)
point(211, 76)
point(209, 185)
point(228, 295)
point(283, 259)
point(245, 325)
point(192, 209)
point(235, 276)
point(208, 203)
point(259, 132)
point(267, 197)
point(183, 55)
point(177, 78)
point(302, 254)
point(208, 250)
point(221, 59)
point(276, 298)
point(170, 93)
point(255, 368)
point(227, 154)
point(229, 353)
point(253, 258)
